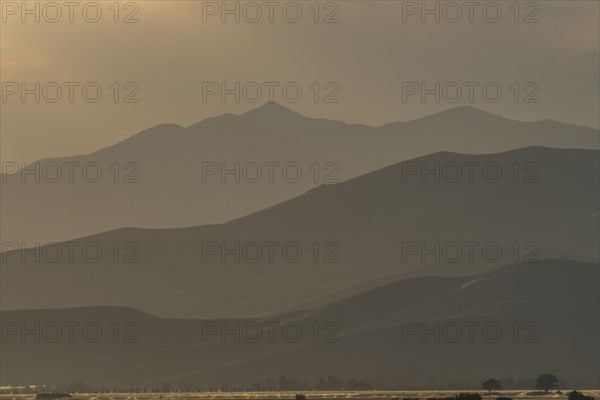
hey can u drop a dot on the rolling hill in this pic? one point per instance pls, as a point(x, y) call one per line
point(554, 302)
point(171, 176)
point(329, 243)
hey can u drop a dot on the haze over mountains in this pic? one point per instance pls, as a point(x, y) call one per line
point(351, 236)
point(170, 231)
point(167, 162)
point(555, 304)
point(410, 237)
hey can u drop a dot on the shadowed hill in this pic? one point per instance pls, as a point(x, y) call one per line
point(555, 304)
point(159, 172)
point(330, 243)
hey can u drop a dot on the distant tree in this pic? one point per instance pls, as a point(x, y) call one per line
point(270, 384)
point(351, 384)
point(300, 396)
point(491, 384)
point(257, 387)
point(508, 383)
point(355, 384)
point(546, 382)
point(334, 382)
point(575, 395)
point(282, 382)
point(321, 385)
point(166, 387)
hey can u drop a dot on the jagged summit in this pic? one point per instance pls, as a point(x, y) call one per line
point(270, 109)
point(463, 112)
point(273, 106)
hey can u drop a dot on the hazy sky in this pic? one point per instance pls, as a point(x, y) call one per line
point(367, 55)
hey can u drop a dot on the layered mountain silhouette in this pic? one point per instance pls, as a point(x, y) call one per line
point(353, 236)
point(548, 314)
point(167, 162)
point(390, 240)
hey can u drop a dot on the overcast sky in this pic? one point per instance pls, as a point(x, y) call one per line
point(362, 61)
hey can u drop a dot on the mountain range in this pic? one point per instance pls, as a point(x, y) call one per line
point(526, 319)
point(329, 243)
point(459, 245)
point(170, 176)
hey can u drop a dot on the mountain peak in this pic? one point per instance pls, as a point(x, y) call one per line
point(466, 111)
point(270, 109)
point(273, 106)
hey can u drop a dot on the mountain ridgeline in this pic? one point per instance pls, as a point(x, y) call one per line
point(462, 245)
point(331, 242)
point(229, 166)
point(516, 320)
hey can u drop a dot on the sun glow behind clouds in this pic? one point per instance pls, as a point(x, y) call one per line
point(170, 51)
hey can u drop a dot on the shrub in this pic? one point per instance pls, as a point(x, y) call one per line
point(575, 395)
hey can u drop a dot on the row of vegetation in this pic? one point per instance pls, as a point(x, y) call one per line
point(574, 395)
point(544, 383)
